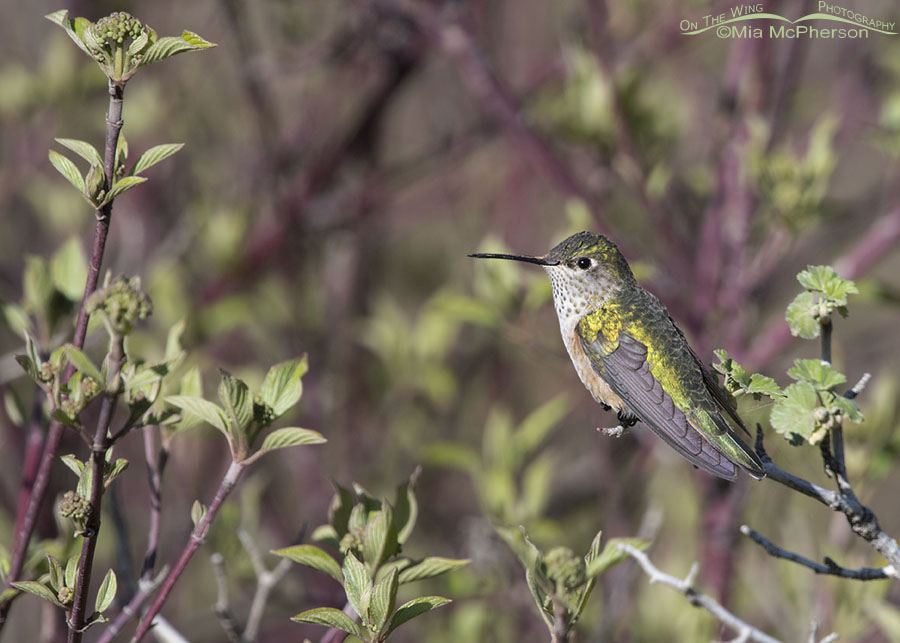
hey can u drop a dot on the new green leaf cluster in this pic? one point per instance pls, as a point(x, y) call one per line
point(57, 586)
point(739, 382)
point(825, 293)
point(242, 416)
point(369, 534)
point(93, 185)
point(121, 44)
point(561, 578)
point(810, 407)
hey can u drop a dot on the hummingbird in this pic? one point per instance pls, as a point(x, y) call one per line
point(632, 357)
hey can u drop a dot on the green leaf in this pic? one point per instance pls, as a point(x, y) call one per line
point(612, 555)
point(37, 283)
point(817, 372)
point(72, 569)
point(290, 437)
point(106, 593)
point(824, 280)
point(406, 508)
point(67, 168)
point(204, 409)
point(235, 398)
point(69, 269)
point(384, 597)
point(198, 512)
point(82, 362)
point(430, 567)
point(312, 556)
point(451, 455)
point(155, 155)
point(282, 387)
point(15, 317)
point(331, 617)
point(848, 409)
point(76, 465)
point(764, 385)
point(83, 149)
point(114, 471)
point(539, 596)
point(56, 573)
point(801, 318)
point(380, 538)
point(340, 509)
point(61, 18)
point(122, 185)
point(38, 589)
point(537, 425)
point(169, 46)
point(795, 413)
point(591, 556)
point(356, 580)
point(414, 608)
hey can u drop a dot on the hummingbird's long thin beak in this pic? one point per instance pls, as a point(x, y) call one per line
point(541, 261)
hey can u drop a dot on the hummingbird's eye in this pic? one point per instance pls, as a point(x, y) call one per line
point(584, 263)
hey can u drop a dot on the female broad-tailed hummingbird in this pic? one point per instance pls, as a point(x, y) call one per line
point(633, 358)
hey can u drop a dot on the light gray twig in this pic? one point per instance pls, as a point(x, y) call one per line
point(746, 632)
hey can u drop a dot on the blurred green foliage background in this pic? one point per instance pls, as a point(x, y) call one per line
point(342, 157)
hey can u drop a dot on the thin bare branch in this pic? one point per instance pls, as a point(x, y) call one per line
point(222, 606)
point(828, 567)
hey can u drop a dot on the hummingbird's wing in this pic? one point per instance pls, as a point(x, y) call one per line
point(624, 366)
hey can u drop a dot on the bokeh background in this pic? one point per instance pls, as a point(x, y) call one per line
point(343, 156)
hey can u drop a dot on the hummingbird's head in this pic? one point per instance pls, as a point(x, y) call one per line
point(584, 270)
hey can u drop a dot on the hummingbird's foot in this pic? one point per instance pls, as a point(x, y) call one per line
point(614, 432)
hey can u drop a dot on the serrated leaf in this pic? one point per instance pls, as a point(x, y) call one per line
point(61, 18)
point(384, 597)
point(800, 316)
point(795, 413)
point(282, 387)
point(38, 589)
point(83, 149)
point(312, 556)
point(106, 593)
point(82, 363)
point(612, 555)
point(430, 567)
point(414, 608)
point(356, 580)
point(155, 155)
point(204, 409)
point(169, 46)
point(291, 437)
point(198, 512)
point(824, 280)
point(764, 385)
point(818, 373)
point(68, 268)
point(67, 168)
point(122, 185)
point(848, 409)
point(331, 617)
